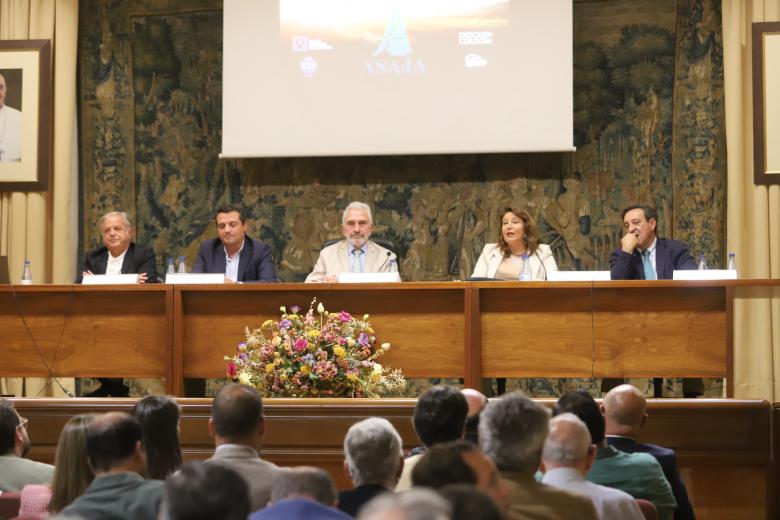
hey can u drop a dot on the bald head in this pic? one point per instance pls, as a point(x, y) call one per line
point(475, 399)
point(625, 405)
point(567, 444)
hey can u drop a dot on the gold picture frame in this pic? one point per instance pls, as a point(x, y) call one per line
point(25, 115)
point(766, 103)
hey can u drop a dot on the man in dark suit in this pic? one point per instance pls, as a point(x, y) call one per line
point(241, 258)
point(373, 460)
point(117, 255)
point(625, 414)
point(642, 255)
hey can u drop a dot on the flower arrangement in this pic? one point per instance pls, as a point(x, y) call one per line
point(318, 354)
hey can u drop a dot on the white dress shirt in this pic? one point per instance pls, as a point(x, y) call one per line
point(611, 504)
point(114, 264)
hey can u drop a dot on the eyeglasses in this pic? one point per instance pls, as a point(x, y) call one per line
point(22, 422)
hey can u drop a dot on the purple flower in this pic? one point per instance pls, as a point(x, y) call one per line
point(294, 309)
point(242, 356)
point(363, 339)
point(285, 324)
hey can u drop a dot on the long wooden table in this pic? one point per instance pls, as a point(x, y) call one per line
point(464, 330)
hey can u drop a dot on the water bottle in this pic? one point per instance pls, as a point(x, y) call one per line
point(702, 262)
point(182, 264)
point(171, 268)
point(525, 271)
point(732, 265)
point(26, 273)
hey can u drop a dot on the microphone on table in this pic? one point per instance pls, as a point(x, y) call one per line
point(389, 255)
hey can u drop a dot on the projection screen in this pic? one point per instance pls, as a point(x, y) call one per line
point(377, 77)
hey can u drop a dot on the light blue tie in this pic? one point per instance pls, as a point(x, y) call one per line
point(357, 266)
point(649, 271)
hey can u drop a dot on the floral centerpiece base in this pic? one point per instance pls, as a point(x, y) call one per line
point(317, 354)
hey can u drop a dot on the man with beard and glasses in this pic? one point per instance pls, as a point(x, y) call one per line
point(16, 471)
point(356, 253)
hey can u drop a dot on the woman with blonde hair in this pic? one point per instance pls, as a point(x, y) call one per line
point(518, 255)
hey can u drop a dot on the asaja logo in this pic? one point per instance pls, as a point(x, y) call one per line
point(394, 53)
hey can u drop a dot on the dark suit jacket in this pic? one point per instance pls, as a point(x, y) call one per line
point(669, 255)
point(667, 458)
point(254, 265)
point(298, 509)
point(138, 259)
point(352, 500)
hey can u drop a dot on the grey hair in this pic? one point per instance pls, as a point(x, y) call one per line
point(415, 504)
point(304, 481)
point(512, 432)
point(128, 222)
point(373, 450)
point(362, 206)
point(568, 441)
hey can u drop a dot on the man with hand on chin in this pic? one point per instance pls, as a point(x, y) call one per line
point(356, 253)
point(241, 258)
point(642, 255)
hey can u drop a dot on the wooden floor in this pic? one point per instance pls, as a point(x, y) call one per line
point(724, 446)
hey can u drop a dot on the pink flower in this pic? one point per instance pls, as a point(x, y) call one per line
point(345, 316)
point(232, 370)
point(300, 345)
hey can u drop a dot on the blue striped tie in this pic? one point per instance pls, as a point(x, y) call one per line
point(649, 271)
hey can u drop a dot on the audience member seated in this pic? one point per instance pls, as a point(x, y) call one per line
point(237, 426)
point(373, 461)
point(568, 455)
point(469, 503)
point(34, 502)
point(72, 473)
point(476, 401)
point(159, 418)
point(460, 462)
point(115, 452)
point(16, 471)
point(201, 491)
point(512, 431)
point(625, 412)
point(415, 504)
point(638, 474)
point(439, 416)
point(301, 494)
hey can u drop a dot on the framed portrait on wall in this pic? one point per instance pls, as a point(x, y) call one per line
point(766, 103)
point(25, 115)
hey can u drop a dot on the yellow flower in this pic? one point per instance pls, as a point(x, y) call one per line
point(283, 377)
point(374, 377)
point(313, 334)
point(269, 368)
point(369, 330)
point(244, 378)
point(267, 323)
point(339, 351)
point(277, 361)
point(305, 369)
point(350, 342)
point(352, 377)
point(276, 341)
point(276, 354)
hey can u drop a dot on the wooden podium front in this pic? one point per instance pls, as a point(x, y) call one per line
point(463, 330)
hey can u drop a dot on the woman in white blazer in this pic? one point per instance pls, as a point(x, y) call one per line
point(518, 250)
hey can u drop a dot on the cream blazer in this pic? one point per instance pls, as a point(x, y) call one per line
point(542, 262)
point(334, 260)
